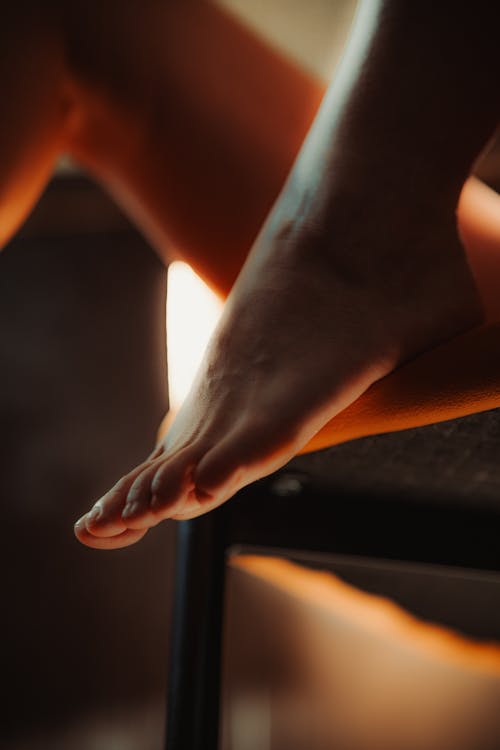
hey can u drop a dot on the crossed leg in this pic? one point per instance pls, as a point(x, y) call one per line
point(202, 170)
point(205, 178)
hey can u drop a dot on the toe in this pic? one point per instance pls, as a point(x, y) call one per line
point(196, 505)
point(172, 483)
point(137, 513)
point(219, 471)
point(123, 539)
point(237, 459)
point(104, 519)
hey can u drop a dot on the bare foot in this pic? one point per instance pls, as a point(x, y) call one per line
point(311, 323)
point(358, 269)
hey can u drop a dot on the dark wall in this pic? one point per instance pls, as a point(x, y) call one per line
point(82, 391)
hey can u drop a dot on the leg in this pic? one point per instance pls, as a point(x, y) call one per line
point(192, 474)
point(35, 115)
point(479, 223)
point(198, 156)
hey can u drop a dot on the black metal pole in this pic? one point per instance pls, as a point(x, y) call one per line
point(195, 660)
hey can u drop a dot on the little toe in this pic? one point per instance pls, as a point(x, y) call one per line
point(236, 460)
point(219, 471)
point(196, 505)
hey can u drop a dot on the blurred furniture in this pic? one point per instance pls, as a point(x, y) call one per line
point(427, 496)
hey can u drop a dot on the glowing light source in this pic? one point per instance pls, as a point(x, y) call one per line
point(192, 314)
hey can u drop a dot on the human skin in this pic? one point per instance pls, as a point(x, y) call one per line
point(344, 275)
point(197, 159)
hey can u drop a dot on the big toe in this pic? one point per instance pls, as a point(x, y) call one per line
point(105, 518)
point(123, 539)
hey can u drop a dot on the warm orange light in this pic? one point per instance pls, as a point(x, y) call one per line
point(192, 314)
point(334, 662)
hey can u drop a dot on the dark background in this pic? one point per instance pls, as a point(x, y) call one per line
point(82, 392)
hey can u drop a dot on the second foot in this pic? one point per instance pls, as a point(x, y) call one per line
point(304, 333)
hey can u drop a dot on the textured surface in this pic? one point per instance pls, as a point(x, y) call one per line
point(452, 463)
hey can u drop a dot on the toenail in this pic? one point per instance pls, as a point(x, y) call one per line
point(94, 515)
point(130, 510)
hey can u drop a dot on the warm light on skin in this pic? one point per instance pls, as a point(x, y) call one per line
point(192, 314)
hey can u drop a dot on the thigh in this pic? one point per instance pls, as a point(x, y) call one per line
point(34, 114)
point(199, 144)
